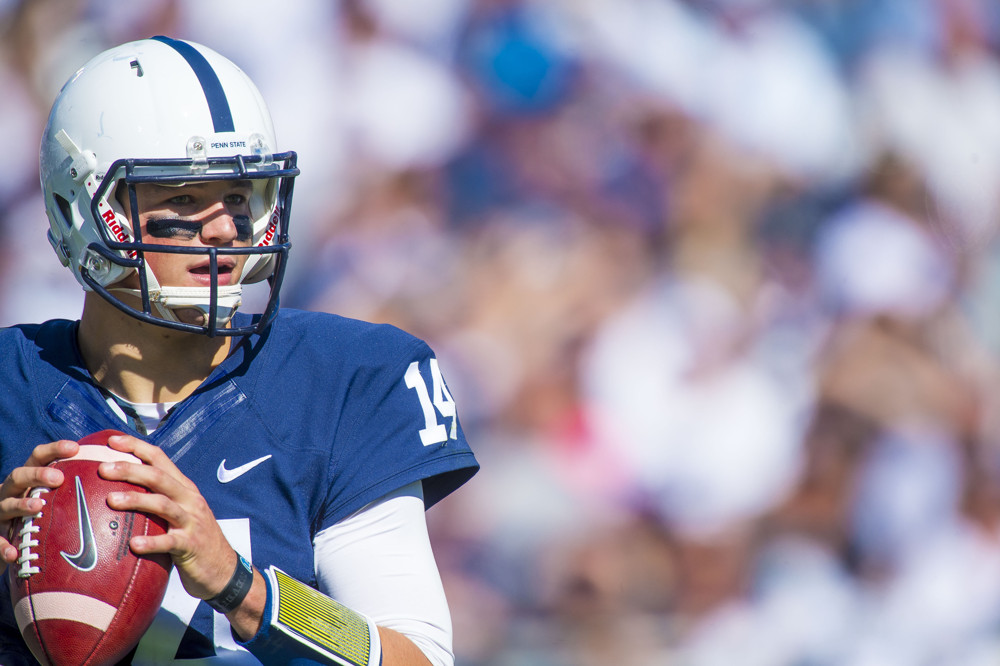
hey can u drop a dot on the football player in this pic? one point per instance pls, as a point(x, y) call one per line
point(288, 451)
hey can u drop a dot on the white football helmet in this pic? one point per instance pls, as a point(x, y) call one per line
point(166, 111)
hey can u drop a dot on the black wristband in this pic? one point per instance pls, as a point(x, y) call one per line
point(236, 589)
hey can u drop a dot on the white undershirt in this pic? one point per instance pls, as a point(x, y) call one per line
point(378, 561)
point(149, 413)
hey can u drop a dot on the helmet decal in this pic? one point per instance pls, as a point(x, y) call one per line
point(215, 95)
point(272, 229)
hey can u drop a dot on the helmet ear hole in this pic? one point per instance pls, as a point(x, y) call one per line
point(64, 209)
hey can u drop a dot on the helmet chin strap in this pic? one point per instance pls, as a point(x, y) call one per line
point(168, 300)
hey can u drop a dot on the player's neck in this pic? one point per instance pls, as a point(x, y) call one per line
point(142, 362)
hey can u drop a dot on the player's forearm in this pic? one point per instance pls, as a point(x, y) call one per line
point(398, 650)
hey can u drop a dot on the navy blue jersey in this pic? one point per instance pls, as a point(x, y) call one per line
point(300, 427)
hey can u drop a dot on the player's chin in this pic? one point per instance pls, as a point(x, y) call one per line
point(192, 316)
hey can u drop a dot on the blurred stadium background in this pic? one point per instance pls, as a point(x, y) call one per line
point(716, 284)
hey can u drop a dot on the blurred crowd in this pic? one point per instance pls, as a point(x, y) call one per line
point(716, 285)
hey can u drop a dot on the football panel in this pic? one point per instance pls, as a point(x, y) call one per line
point(99, 453)
point(64, 606)
point(69, 643)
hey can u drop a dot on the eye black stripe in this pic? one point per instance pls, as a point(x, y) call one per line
point(218, 103)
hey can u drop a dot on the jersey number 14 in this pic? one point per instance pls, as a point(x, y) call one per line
point(435, 401)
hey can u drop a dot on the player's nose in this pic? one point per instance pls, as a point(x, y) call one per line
point(219, 225)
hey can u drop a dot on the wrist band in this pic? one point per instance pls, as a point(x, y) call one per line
point(236, 589)
point(301, 625)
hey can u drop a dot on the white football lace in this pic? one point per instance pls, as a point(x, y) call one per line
point(27, 541)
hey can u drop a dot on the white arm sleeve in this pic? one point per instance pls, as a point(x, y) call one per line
point(378, 561)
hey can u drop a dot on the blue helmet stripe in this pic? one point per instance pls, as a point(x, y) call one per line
point(218, 104)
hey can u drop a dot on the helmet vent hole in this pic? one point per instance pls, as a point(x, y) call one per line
point(64, 210)
point(136, 66)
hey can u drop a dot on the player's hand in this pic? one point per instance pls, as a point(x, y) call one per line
point(14, 500)
point(201, 553)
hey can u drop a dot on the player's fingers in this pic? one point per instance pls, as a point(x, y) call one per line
point(11, 508)
point(149, 454)
point(144, 451)
point(43, 454)
point(152, 478)
point(8, 553)
point(154, 503)
point(204, 563)
point(16, 504)
point(21, 479)
point(193, 540)
point(33, 474)
point(161, 543)
point(15, 507)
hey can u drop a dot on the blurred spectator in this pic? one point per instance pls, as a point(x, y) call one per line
point(938, 109)
point(907, 272)
point(693, 347)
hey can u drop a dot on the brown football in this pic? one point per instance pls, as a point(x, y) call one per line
point(80, 595)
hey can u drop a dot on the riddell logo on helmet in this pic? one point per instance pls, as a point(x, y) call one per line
point(115, 226)
point(271, 229)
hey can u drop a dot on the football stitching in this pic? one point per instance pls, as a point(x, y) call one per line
point(29, 529)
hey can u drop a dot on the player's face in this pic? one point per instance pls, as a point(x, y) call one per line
point(204, 214)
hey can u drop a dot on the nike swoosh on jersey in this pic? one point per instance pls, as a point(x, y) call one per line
point(226, 475)
point(86, 558)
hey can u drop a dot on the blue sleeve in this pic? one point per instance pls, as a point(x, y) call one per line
point(400, 425)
